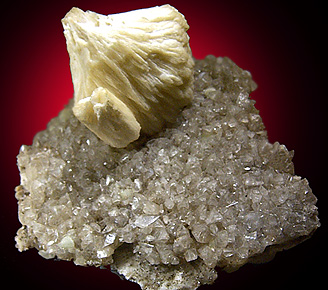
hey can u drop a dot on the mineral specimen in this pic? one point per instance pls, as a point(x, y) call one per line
point(131, 71)
point(209, 190)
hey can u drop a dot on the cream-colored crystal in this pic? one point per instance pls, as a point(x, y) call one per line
point(132, 72)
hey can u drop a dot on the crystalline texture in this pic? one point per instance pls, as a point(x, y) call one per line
point(209, 190)
point(131, 71)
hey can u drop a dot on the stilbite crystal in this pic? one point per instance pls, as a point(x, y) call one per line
point(131, 71)
point(209, 190)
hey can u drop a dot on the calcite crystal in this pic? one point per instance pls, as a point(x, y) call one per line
point(207, 191)
point(132, 72)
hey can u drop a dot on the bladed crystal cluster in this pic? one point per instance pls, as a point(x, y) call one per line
point(207, 191)
point(132, 72)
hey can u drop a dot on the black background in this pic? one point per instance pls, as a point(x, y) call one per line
point(282, 44)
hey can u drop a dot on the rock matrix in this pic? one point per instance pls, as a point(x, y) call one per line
point(209, 190)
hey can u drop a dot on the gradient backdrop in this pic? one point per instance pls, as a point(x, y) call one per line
point(282, 46)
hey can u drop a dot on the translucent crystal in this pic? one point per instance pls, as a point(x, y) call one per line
point(191, 255)
point(164, 212)
point(144, 221)
point(110, 239)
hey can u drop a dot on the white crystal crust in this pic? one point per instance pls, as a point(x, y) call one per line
point(208, 191)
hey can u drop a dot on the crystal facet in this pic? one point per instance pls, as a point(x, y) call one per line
point(209, 190)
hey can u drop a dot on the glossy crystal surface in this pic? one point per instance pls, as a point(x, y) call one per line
point(209, 191)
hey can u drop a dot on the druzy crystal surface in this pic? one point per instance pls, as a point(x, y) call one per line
point(208, 191)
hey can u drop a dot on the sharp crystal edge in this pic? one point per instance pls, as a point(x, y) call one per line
point(208, 191)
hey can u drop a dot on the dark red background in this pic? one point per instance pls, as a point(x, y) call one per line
point(281, 44)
